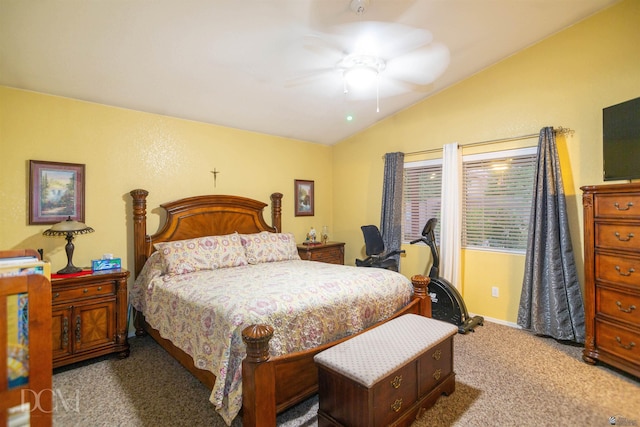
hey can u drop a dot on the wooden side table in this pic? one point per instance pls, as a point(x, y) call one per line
point(330, 252)
point(89, 316)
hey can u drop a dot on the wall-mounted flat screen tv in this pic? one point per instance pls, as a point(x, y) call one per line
point(621, 141)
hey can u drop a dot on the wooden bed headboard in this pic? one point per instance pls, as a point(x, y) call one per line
point(200, 216)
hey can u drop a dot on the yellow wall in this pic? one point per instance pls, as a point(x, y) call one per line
point(565, 80)
point(124, 150)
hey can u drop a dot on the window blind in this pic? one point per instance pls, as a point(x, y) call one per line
point(496, 200)
point(421, 198)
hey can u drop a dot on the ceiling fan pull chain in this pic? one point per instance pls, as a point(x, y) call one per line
point(377, 94)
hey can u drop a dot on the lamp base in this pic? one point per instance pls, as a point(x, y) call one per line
point(70, 269)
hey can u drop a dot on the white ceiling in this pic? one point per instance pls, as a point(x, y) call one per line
point(254, 64)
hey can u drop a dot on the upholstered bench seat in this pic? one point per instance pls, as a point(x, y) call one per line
point(387, 375)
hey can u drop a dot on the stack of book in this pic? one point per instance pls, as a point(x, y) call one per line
point(23, 265)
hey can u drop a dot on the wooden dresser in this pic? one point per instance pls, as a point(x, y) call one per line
point(330, 252)
point(612, 275)
point(89, 316)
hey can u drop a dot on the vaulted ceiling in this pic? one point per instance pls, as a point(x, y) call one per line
point(269, 66)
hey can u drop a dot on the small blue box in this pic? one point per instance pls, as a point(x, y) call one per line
point(106, 264)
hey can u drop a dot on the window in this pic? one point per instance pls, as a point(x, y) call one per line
point(421, 199)
point(496, 199)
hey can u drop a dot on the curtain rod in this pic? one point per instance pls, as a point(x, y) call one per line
point(560, 130)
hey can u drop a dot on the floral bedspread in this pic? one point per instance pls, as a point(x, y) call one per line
point(307, 303)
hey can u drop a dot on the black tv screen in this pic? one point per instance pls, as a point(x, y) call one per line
point(621, 141)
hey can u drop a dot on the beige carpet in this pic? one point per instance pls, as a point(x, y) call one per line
point(504, 376)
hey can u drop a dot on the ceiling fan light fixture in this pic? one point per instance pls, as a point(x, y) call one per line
point(360, 76)
point(361, 71)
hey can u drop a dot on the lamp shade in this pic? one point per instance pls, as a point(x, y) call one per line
point(68, 228)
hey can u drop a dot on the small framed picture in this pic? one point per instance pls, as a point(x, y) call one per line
point(56, 192)
point(304, 198)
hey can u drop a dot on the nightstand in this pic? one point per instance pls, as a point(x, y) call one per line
point(330, 252)
point(89, 316)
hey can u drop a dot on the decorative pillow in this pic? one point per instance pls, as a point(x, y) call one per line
point(203, 253)
point(269, 247)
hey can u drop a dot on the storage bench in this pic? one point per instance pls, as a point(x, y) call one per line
point(388, 375)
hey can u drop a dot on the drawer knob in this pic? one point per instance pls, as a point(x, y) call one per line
point(397, 405)
point(56, 295)
point(628, 273)
point(99, 288)
point(625, 346)
point(85, 290)
point(437, 374)
point(437, 354)
point(395, 383)
point(625, 310)
point(617, 205)
point(622, 239)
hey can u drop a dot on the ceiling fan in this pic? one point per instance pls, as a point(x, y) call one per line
point(375, 58)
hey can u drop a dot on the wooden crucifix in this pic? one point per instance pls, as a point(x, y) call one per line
point(215, 176)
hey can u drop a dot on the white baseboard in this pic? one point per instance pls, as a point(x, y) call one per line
point(499, 321)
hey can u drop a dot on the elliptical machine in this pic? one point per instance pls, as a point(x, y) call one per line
point(446, 302)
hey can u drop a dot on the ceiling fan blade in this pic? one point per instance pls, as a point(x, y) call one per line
point(327, 45)
point(421, 66)
point(311, 77)
point(383, 39)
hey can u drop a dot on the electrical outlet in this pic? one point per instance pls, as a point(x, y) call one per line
point(494, 292)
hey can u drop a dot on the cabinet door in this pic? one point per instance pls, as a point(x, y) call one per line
point(93, 324)
point(61, 332)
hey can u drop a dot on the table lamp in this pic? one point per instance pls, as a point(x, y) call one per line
point(69, 228)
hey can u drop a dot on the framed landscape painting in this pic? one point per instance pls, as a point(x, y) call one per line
point(56, 192)
point(304, 198)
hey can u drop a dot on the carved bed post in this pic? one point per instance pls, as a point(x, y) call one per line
point(258, 378)
point(420, 290)
point(139, 256)
point(139, 228)
point(276, 211)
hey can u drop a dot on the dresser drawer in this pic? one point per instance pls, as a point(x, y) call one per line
point(618, 269)
point(330, 257)
point(394, 394)
point(435, 366)
point(618, 236)
point(619, 341)
point(88, 291)
point(621, 306)
point(617, 205)
point(331, 252)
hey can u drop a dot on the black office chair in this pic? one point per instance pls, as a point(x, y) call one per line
point(374, 247)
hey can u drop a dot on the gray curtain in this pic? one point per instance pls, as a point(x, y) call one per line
point(551, 301)
point(391, 216)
